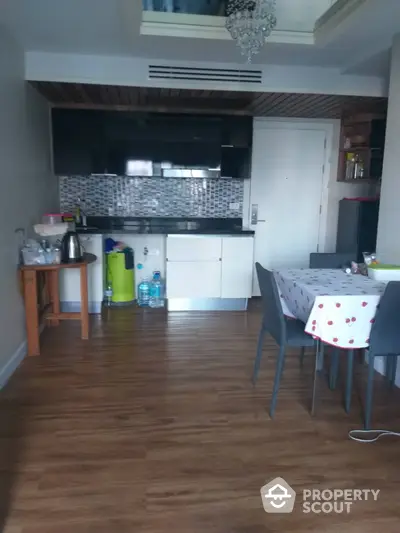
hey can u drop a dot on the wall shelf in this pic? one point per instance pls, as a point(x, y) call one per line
point(365, 136)
point(368, 181)
point(361, 149)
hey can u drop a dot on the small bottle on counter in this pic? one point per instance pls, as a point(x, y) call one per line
point(108, 293)
point(157, 291)
point(143, 298)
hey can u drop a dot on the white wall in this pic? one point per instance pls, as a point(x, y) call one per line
point(28, 188)
point(388, 246)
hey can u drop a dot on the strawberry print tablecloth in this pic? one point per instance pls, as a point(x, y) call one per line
point(336, 307)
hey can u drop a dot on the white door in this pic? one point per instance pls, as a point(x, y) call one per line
point(286, 188)
point(237, 267)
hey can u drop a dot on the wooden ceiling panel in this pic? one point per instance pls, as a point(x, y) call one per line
point(81, 95)
point(271, 106)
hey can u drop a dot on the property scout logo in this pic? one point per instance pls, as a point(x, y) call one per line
point(278, 497)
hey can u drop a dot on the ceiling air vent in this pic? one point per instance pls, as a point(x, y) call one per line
point(221, 75)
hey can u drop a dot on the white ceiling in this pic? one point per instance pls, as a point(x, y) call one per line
point(113, 26)
point(292, 15)
point(359, 44)
point(71, 26)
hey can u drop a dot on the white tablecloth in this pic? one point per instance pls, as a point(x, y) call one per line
point(336, 307)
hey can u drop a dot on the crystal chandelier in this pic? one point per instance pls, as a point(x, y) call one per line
point(249, 22)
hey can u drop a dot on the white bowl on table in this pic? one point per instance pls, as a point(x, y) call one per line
point(384, 273)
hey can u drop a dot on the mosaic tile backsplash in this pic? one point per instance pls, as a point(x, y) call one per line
point(174, 197)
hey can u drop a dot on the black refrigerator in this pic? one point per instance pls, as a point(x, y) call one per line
point(357, 226)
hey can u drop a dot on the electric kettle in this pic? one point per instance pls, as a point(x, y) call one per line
point(71, 248)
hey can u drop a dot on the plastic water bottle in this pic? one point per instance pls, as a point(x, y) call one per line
point(108, 295)
point(143, 298)
point(157, 291)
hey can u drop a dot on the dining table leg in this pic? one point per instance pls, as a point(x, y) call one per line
point(321, 356)
point(54, 295)
point(349, 382)
point(334, 368)
point(31, 311)
point(84, 302)
point(393, 371)
point(316, 368)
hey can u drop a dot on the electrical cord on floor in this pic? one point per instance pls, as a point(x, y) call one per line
point(363, 434)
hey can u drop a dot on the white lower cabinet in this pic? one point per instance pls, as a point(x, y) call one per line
point(237, 267)
point(193, 266)
point(196, 248)
point(193, 279)
point(209, 267)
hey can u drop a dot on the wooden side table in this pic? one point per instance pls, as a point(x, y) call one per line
point(53, 314)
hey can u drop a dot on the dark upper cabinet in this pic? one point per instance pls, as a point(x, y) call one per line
point(237, 131)
point(70, 153)
point(188, 154)
point(235, 162)
point(89, 141)
point(79, 145)
point(236, 147)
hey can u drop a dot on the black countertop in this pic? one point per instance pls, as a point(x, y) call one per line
point(161, 226)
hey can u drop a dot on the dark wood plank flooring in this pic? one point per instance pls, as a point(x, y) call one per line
point(153, 426)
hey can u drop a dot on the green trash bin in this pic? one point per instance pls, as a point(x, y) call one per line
point(121, 275)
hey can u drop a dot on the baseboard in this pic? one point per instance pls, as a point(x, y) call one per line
point(207, 304)
point(75, 307)
point(15, 360)
point(13, 363)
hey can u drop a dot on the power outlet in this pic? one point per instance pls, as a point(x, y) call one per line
point(234, 206)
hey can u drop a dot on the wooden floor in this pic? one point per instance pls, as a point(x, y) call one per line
point(153, 426)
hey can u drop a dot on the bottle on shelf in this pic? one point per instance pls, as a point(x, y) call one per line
point(143, 298)
point(347, 143)
point(358, 168)
point(359, 172)
point(157, 291)
point(108, 293)
point(350, 164)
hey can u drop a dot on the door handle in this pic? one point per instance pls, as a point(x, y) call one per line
point(254, 215)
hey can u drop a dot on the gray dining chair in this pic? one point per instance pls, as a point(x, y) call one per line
point(384, 341)
point(331, 260)
point(285, 331)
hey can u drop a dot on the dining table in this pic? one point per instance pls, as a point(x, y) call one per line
point(337, 308)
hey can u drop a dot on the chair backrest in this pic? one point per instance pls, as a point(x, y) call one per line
point(273, 317)
point(385, 331)
point(334, 260)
